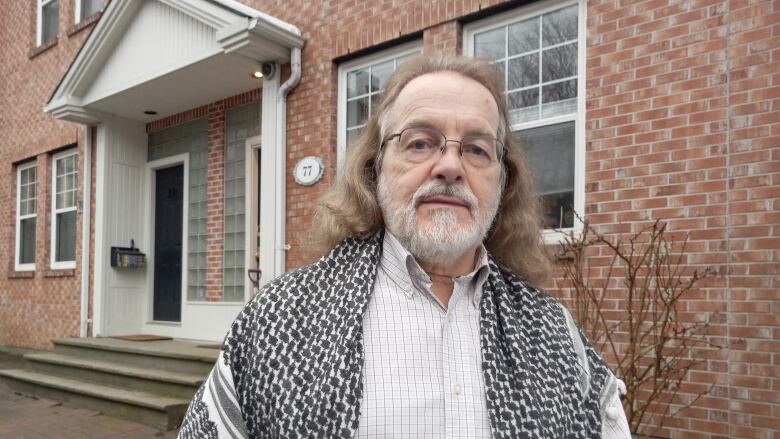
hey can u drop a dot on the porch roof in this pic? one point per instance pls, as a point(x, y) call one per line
point(167, 56)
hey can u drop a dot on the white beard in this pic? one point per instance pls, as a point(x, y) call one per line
point(442, 240)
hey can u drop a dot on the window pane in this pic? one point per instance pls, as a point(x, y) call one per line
point(524, 71)
point(357, 112)
point(357, 83)
point(559, 26)
point(50, 21)
point(524, 36)
point(523, 105)
point(65, 249)
point(352, 135)
point(559, 62)
point(27, 241)
point(550, 154)
point(89, 7)
point(490, 45)
point(379, 75)
point(559, 98)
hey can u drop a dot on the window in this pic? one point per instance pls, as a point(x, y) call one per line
point(63, 226)
point(85, 8)
point(539, 51)
point(26, 213)
point(48, 20)
point(361, 82)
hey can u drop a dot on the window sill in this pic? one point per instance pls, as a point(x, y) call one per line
point(21, 274)
point(60, 273)
point(42, 48)
point(88, 21)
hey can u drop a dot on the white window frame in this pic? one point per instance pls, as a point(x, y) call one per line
point(78, 11)
point(60, 265)
point(39, 31)
point(18, 253)
point(356, 64)
point(551, 236)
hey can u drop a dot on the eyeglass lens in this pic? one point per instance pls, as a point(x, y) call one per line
point(420, 144)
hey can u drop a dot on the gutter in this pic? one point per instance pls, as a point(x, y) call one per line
point(85, 228)
point(281, 246)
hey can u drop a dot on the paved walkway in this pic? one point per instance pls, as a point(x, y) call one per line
point(26, 417)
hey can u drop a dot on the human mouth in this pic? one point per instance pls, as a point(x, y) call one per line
point(444, 201)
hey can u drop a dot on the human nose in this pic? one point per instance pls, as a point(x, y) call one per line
point(449, 166)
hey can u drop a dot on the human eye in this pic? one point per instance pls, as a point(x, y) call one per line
point(418, 141)
point(479, 148)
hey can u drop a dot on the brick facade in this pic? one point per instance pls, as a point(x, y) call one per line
point(682, 124)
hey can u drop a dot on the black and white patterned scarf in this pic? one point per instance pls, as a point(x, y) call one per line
point(291, 363)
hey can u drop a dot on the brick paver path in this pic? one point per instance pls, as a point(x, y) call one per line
point(25, 417)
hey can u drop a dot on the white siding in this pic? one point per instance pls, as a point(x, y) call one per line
point(159, 40)
point(124, 298)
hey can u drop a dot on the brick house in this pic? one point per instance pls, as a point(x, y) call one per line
point(145, 124)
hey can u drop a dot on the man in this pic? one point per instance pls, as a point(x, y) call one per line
point(410, 326)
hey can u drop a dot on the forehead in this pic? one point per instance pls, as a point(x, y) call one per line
point(448, 101)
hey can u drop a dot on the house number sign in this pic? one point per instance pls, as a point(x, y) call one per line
point(309, 170)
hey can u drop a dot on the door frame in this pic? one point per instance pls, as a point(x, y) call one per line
point(251, 194)
point(151, 169)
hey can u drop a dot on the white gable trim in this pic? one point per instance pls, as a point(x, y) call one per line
point(239, 31)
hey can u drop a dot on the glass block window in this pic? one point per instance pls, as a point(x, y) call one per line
point(64, 190)
point(26, 214)
point(240, 124)
point(190, 138)
point(85, 8)
point(48, 20)
point(361, 83)
point(537, 56)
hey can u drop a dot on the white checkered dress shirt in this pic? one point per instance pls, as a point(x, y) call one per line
point(422, 375)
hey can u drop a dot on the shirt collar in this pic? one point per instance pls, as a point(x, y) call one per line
point(401, 267)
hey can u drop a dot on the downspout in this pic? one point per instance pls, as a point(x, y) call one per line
point(85, 228)
point(281, 246)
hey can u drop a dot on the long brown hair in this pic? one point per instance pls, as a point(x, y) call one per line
point(350, 208)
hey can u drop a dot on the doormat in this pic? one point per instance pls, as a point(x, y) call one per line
point(142, 337)
point(211, 346)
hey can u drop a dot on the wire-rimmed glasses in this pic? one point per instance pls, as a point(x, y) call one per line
point(419, 144)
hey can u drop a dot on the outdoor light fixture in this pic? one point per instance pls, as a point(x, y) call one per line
point(257, 74)
point(150, 112)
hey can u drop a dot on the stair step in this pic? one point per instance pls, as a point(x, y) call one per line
point(171, 356)
point(159, 411)
point(178, 384)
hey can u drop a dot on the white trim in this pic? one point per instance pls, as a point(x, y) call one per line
point(53, 262)
point(18, 219)
point(550, 236)
point(355, 64)
point(85, 227)
point(251, 194)
point(150, 183)
point(102, 155)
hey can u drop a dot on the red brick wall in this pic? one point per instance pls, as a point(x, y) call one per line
point(684, 125)
point(38, 306)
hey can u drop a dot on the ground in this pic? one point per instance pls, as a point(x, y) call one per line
point(26, 417)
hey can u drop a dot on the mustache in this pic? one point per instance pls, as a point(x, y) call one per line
point(437, 188)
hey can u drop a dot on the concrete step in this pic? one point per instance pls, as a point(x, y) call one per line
point(144, 379)
point(166, 355)
point(158, 411)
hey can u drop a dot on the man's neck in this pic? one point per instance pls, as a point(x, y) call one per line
point(443, 275)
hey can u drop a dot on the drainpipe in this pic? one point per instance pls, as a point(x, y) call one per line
point(281, 177)
point(85, 227)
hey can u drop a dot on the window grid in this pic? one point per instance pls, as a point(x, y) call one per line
point(26, 216)
point(64, 188)
point(85, 8)
point(352, 117)
point(547, 105)
point(48, 20)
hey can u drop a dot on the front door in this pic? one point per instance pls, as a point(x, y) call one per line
point(168, 199)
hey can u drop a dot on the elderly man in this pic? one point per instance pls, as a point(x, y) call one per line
point(421, 321)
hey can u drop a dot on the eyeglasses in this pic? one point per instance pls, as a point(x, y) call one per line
point(418, 144)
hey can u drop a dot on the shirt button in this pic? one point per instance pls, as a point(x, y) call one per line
point(450, 318)
point(456, 389)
